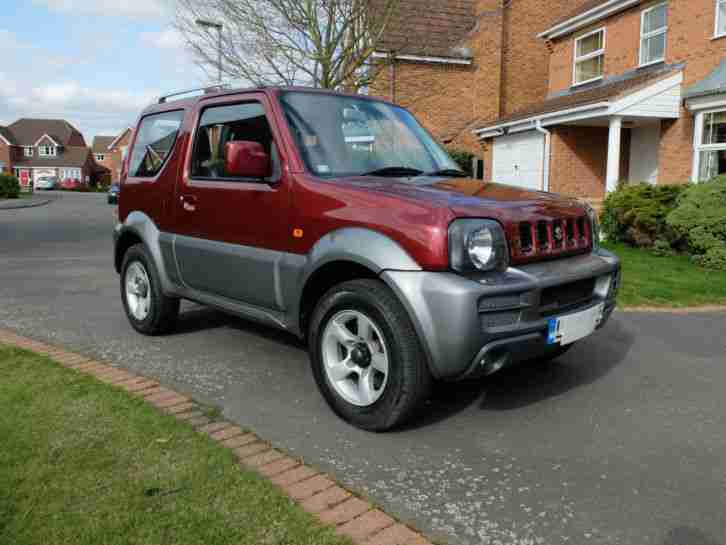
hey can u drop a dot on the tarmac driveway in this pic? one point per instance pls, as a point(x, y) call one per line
point(622, 441)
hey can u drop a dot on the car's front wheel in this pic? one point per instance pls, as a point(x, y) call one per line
point(366, 356)
point(149, 311)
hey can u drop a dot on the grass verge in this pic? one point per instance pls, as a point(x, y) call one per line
point(672, 281)
point(85, 463)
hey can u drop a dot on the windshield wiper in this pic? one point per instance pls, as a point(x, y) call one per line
point(395, 171)
point(456, 173)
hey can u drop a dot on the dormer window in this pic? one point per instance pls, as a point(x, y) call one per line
point(720, 18)
point(28, 151)
point(47, 151)
point(589, 57)
point(653, 34)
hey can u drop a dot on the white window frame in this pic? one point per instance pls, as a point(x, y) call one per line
point(47, 151)
point(647, 35)
point(698, 146)
point(27, 151)
point(716, 33)
point(600, 52)
point(100, 157)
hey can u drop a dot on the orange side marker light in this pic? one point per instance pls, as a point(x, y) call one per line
point(297, 233)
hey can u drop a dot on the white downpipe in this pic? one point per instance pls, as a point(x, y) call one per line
point(546, 159)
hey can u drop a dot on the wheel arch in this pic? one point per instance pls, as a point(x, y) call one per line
point(343, 255)
point(141, 229)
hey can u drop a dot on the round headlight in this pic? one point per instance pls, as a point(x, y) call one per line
point(480, 245)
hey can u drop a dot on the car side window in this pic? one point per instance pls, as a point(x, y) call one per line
point(154, 143)
point(219, 125)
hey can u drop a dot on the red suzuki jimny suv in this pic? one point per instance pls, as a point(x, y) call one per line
point(338, 218)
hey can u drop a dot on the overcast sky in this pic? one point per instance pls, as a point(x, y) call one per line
point(95, 63)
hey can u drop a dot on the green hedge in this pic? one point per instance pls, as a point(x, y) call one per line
point(636, 214)
point(9, 186)
point(700, 221)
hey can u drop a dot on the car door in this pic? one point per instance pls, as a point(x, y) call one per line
point(232, 233)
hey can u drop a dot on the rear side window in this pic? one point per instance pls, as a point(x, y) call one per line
point(154, 143)
point(219, 125)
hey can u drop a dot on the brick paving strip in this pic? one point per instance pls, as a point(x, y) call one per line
point(315, 492)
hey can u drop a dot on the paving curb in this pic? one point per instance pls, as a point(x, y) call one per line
point(315, 492)
point(17, 204)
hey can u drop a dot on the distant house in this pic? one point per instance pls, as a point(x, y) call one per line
point(109, 153)
point(31, 148)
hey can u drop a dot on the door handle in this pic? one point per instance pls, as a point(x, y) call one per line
point(189, 202)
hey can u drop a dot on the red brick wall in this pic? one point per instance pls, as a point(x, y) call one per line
point(579, 161)
point(526, 58)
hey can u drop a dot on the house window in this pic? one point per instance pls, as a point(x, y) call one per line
point(100, 157)
point(28, 151)
point(720, 18)
point(589, 57)
point(46, 151)
point(712, 147)
point(653, 34)
point(71, 174)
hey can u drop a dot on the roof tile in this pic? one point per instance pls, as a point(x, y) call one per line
point(429, 27)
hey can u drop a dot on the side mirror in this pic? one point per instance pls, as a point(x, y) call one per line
point(247, 160)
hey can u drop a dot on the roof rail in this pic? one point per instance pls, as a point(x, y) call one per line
point(204, 90)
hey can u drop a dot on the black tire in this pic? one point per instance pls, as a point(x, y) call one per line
point(164, 310)
point(409, 379)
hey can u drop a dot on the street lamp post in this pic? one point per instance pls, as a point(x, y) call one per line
point(218, 26)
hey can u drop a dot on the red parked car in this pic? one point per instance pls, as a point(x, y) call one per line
point(70, 183)
point(339, 218)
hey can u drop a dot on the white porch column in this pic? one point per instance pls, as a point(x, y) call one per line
point(613, 172)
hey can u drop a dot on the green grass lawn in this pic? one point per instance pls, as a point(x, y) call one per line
point(650, 280)
point(84, 463)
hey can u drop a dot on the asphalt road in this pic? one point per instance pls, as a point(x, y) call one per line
point(622, 441)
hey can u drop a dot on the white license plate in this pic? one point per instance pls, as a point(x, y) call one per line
point(573, 327)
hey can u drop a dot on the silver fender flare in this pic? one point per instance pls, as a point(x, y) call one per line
point(157, 243)
point(366, 247)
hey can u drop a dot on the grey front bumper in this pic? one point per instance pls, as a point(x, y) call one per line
point(447, 309)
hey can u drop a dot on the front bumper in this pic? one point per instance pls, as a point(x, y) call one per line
point(470, 325)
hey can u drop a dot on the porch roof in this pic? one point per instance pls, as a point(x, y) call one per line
point(713, 84)
point(613, 96)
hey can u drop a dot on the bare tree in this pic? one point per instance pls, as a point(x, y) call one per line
point(322, 43)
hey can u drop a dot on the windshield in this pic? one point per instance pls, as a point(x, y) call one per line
point(348, 136)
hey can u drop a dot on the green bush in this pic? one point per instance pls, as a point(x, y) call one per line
point(700, 220)
point(9, 186)
point(636, 214)
point(464, 159)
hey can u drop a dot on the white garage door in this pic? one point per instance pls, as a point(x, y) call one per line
point(518, 159)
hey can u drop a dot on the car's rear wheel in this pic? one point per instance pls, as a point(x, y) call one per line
point(149, 311)
point(366, 357)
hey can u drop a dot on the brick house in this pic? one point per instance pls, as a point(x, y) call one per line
point(574, 97)
point(109, 153)
point(636, 92)
point(30, 148)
